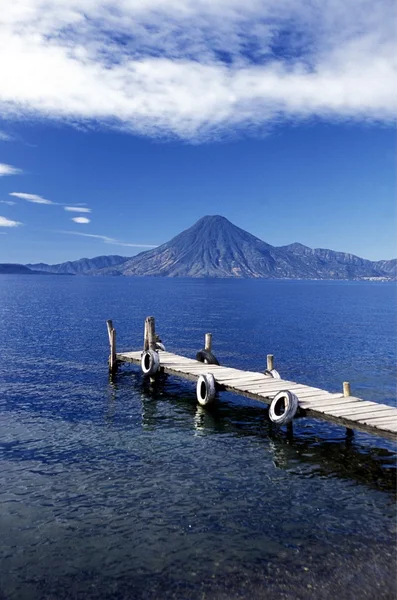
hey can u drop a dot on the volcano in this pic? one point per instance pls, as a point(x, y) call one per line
point(214, 247)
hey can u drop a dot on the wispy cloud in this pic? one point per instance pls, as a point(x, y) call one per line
point(9, 170)
point(81, 220)
point(5, 137)
point(9, 202)
point(4, 222)
point(109, 240)
point(198, 68)
point(31, 198)
point(80, 209)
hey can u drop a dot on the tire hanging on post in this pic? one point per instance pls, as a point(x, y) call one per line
point(283, 407)
point(150, 362)
point(205, 356)
point(205, 389)
point(273, 373)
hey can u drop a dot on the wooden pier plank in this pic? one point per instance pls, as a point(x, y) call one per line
point(380, 410)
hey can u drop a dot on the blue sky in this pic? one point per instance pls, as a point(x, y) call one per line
point(139, 118)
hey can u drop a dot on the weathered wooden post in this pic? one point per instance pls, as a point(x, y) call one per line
point(109, 325)
point(208, 342)
point(145, 338)
point(112, 343)
point(270, 362)
point(150, 333)
point(346, 389)
point(346, 394)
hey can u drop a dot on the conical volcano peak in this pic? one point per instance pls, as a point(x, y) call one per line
point(213, 219)
point(217, 230)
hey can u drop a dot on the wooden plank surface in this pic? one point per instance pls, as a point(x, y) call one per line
point(347, 411)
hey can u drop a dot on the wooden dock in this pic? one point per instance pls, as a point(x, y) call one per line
point(339, 408)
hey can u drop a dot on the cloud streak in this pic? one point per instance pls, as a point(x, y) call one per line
point(80, 209)
point(9, 170)
point(198, 68)
point(108, 240)
point(4, 222)
point(81, 220)
point(31, 198)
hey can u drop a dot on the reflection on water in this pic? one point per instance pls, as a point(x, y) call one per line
point(125, 489)
point(304, 453)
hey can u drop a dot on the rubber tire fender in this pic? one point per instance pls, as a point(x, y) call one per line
point(291, 404)
point(150, 362)
point(273, 373)
point(205, 356)
point(205, 389)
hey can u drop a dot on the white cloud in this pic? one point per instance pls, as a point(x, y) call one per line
point(4, 222)
point(109, 240)
point(80, 209)
point(31, 198)
point(9, 202)
point(81, 220)
point(197, 68)
point(9, 170)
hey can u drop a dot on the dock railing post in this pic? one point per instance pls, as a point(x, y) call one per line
point(208, 342)
point(270, 362)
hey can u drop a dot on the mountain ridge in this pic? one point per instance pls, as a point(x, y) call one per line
point(214, 247)
point(18, 269)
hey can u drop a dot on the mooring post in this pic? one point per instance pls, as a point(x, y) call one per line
point(112, 343)
point(145, 338)
point(109, 325)
point(346, 394)
point(208, 342)
point(346, 389)
point(151, 333)
point(270, 362)
point(149, 338)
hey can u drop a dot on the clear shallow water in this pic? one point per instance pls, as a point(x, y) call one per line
point(124, 490)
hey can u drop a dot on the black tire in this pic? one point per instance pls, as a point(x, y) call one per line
point(273, 373)
point(207, 357)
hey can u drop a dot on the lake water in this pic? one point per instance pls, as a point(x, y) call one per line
point(119, 489)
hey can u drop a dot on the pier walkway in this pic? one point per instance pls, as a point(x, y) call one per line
point(340, 408)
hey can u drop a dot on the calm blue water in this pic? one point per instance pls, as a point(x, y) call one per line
point(119, 489)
